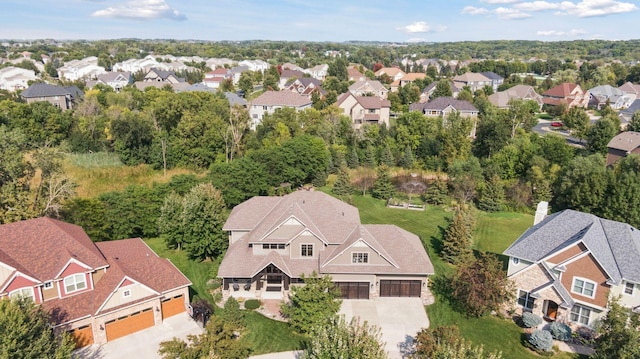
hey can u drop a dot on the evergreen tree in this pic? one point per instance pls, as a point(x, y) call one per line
point(456, 246)
point(436, 192)
point(492, 196)
point(370, 156)
point(342, 186)
point(387, 157)
point(407, 158)
point(352, 160)
point(383, 188)
point(634, 124)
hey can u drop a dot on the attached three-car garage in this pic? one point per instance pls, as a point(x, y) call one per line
point(126, 325)
point(400, 288)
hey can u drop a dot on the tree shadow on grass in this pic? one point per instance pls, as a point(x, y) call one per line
point(436, 242)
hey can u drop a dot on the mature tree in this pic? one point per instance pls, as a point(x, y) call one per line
point(27, 332)
point(313, 304)
point(456, 144)
point(492, 134)
point(219, 341)
point(352, 159)
point(202, 217)
point(618, 334)
point(622, 198)
point(601, 133)
point(15, 176)
point(456, 246)
point(407, 158)
point(436, 192)
point(133, 136)
point(88, 213)
point(582, 185)
point(634, 124)
point(429, 340)
point(246, 83)
point(577, 121)
point(241, 179)
point(491, 195)
point(170, 222)
point(342, 186)
point(364, 178)
point(443, 89)
point(339, 339)
point(464, 178)
point(383, 188)
point(479, 285)
point(522, 114)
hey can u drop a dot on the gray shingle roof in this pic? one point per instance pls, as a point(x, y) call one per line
point(625, 141)
point(441, 103)
point(44, 90)
point(615, 245)
point(492, 76)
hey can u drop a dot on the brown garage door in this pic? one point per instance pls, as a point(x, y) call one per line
point(129, 324)
point(354, 290)
point(172, 306)
point(83, 336)
point(400, 288)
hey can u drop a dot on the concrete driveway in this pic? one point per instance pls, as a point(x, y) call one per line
point(143, 344)
point(398, 318)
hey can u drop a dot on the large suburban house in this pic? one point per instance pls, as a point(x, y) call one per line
point(274, 241)
point(96, 291)
point(369, 88)
point(518, 92)
point(393, 73)
point(622, 145)
point(406, 79)
point(363, 110)
point(475, 81)
point(627, 113)
point(567, 266)
point(115, 80)
point(428, 91)
point(443, 106)
point(617, 99)
point(305, 86)
point(270, 101)
point(16, 78)
point(496, 80)
point(156, 75)
point(570, 94)
point(86, 68)
point(62, 97)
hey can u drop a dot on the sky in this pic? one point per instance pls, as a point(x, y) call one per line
point(321, 20)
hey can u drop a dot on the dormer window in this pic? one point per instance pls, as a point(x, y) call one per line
point(48, 285)
point(359, 257)
point(74, 283)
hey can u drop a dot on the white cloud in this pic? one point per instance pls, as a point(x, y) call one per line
point(573, 32)
point(472, 10)
point(537, 6)
point(420, 27)
point(141, 10)
point(584, 8)
point(510, 14)
point(499, 1)
point(590, 8)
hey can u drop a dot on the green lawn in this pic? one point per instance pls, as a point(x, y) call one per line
point(266, 335)
point(494, 233)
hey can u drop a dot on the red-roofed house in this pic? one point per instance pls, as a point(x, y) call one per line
point(568, 93)
point(365, 109)
point(97, 291)
point(274, 240)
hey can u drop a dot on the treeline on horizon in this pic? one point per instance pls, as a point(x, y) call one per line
point(359, 52)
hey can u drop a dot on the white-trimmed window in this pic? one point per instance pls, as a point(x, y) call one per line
point(515, 260)
point(359, 257)
point(26, 292)
point(525, 299)
point(126, 293)
point(74, 283)
point(48, 285)
point(306, 250)
point(584, 287)
point(580, 314)
point(628, 288)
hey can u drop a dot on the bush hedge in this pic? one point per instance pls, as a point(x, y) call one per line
point(560, 331)
point(531, 320)
point(252, 304)
point(541, 340)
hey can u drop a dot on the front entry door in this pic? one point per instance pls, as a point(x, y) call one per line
point(552, 310)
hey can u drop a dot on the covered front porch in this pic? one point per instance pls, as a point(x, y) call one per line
point(269, 283)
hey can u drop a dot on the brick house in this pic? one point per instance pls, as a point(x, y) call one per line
point(274, 240)
point(97, 291)
point(568, 265)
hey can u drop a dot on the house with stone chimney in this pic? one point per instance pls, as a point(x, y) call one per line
point(569, 264)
